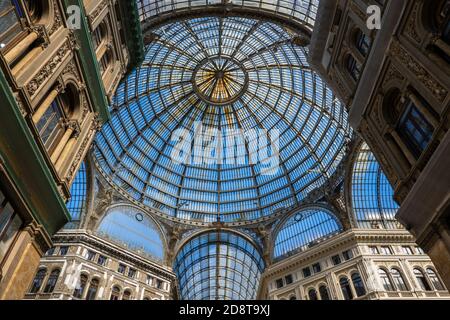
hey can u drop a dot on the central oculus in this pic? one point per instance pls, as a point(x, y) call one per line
point(219, 80)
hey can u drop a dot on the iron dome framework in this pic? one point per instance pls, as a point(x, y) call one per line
point(270, 87)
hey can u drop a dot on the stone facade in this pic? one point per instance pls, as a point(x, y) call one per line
point(79, 253)
point(395, 83)
point(349, 255)
point(53, 103)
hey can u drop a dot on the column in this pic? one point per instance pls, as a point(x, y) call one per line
point(45, 105)
point(21, 47)
point(71, 127)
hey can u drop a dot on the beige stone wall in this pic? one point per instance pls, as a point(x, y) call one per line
point(363, 261)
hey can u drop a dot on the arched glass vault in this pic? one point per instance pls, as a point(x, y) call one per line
point(302, 12)
point(235, 76)
point(304, 229)
point(371, 193)
point(218, 265)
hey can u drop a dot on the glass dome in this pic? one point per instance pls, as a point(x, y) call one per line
point(229, 79)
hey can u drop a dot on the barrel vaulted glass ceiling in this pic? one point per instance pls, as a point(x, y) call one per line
point(226, 73)
point(301, 11)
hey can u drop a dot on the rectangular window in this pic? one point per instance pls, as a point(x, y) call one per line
point(336, 260)
point(374, 250)
point(50, 251)
point(102, 260)
point(407, 250)
point(279, 283)
point(415, 129)
point(10, 224)
point(63, 250)
point(121, 268)
point(306, 272)
point(420, 250)
point(159, 284)
point(317, 267)
point(348, 254)
point(149, 279)
point(386, 250)
point(91, 255)
point(131, 273)
point(288, 279)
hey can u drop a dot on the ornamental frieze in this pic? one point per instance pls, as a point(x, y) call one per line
point(47, 70)
point(420, 72)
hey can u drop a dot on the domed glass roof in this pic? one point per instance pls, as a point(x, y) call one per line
point(248, 89)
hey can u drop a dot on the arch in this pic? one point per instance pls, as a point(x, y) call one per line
point(346, 288)
point(312, 294)
point(81, 286)
point(324, 292)
point(70, 99)
point(421, 279)
point(398, 279)
point(133, 228)
point(372, 199)
point(305, 228)
point(297, 15)
point(38, 11)
point(219, 265)
point(52, 280)
point(434, 279)
point(92, 289)
point(358, 284)
point(126, 294)
point(385, 278)
point(115, 293)
point(38, 280)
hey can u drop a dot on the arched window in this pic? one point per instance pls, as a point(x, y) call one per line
point(312, 294)
point(346, 289)
point(422, 280)
point(362, 42)
point(324, 293)
point(126, 295)
point(353, 67)
point(385, 280)
point(434, 279)
point(52, 117)
point(35, 9)
point(358, 284)
point(414, 128)
point(115, 293)
point(105, 60)
point(38, 280)
point(51, 282)
point(99, 34)
point(133, 228)
point(92, 291)
point(81, 285)
point(399, 281)
point(439, 12)
point(305, 228)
